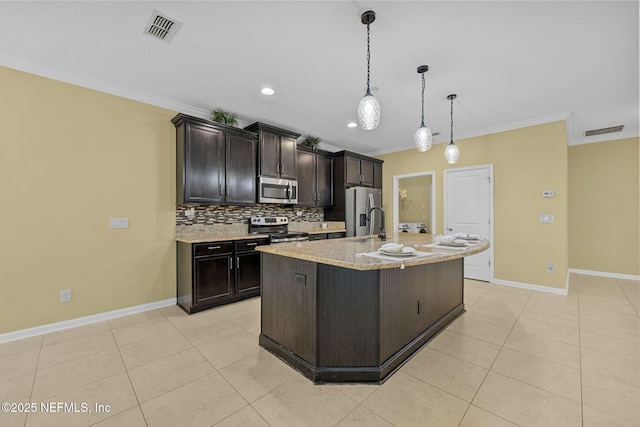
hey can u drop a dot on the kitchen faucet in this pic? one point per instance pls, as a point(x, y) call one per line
point(383, 234)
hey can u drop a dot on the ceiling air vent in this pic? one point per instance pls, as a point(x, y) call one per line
point(161, 27)
point(612, 129)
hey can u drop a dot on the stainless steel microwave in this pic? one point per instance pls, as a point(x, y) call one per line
point(275, 190)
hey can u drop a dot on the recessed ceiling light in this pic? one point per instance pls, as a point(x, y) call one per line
point(267, 91)
point(352, 125)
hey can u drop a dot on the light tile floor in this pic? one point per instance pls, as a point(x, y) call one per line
point(516, 357)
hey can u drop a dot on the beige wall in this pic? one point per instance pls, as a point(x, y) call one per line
point(603, 207)
point(70, 158)
point(526, 162)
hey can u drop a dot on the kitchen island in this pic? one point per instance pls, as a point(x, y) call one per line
point(339, 311)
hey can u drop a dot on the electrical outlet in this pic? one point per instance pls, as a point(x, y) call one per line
point(548, 194)
point(65, 295)
point(118, 222)
point(550, 268)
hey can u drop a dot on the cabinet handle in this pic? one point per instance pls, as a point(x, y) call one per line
point(226, 189)
point(230, 262)
point(213, 247)
point(281, 169)
point(252, 244)
point(278, 168)
point(220, 189)
point(238, 262)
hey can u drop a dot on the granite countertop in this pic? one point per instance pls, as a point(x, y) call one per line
point(222, 232)
point(350, 252)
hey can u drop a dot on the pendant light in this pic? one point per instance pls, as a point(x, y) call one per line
point(452, 152)
point(423, 135)
point(369, 107)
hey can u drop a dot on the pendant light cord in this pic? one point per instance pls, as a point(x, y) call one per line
point(422, 125)
point(451, 120)
point(368, 59)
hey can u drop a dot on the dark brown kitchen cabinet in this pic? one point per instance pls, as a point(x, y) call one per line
point(216, 273)
point(359, 172)
point(277, 156)
point(248, 266)
point(351, 170)
point(215, 163)
point(213, 278)
point(315, 179)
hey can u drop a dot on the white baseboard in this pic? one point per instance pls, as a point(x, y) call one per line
point(81, 321)
point(559, 291)
point(605, 274)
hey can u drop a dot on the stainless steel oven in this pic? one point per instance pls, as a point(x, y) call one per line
point(275, 190)
point(277, 227)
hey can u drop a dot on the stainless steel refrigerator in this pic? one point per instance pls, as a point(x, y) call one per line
point(358, 203)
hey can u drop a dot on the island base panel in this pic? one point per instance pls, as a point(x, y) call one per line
point(335, 324)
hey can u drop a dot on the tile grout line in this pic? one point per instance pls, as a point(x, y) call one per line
point(129, 378)
point(35, 374)
point(628, 299)
point(494, 361)
point(580, 349)
point(249, 404)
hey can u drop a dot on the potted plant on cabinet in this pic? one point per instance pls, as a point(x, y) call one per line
point(224, 117)
point(310, 141)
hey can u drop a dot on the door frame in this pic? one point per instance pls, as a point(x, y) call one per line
point(491, 215)
point(396, 204)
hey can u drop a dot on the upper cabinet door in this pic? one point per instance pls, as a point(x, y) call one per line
point(324, 169)
point(276, 151)
point(203, 165)
point(241, 170)
point(215, 163)
point(288, 158)
point(366, 173)
point(352, 171)
point(269, 154)
point(306, 178)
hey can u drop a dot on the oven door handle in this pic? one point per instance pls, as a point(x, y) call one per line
point(288, 191)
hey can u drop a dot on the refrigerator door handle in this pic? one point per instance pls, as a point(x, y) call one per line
point(371, 204)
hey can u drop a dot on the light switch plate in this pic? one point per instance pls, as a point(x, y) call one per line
point(545, 219)
point(117, 222)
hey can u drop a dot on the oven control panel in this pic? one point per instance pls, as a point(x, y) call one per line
point(269, 220)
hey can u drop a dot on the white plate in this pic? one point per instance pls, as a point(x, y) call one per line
point(457, 245)
point(472, 239)
point(398, 254)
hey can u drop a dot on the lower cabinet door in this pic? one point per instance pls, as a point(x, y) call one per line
point(247, 271)
point(213, 278)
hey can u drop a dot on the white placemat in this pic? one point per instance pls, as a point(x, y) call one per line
point(455, 248)
point(376, 254)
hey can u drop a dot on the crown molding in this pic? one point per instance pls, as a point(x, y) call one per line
point(79, 80)
point(497, 129)
point(565, 115)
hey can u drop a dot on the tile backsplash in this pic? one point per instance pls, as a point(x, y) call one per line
point(215, 214)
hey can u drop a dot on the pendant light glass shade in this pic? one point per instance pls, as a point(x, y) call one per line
point(424, 138)
point(369, 107)
point(452, 152)
point(369, 112)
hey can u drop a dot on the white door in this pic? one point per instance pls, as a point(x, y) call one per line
point(468, 202)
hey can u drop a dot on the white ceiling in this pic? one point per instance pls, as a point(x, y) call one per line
point(511, 63)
